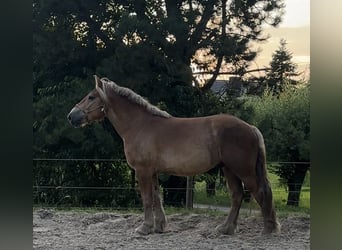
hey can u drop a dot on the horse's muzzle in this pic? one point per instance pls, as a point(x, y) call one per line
point(77, 117)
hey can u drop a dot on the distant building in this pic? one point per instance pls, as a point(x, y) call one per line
point(219, 87)
point(233, 86)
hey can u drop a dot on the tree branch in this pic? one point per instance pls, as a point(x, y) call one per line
point(220, 58)
point(201, 26)
point(230, 72)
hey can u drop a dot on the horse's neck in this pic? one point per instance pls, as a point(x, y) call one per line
point(126, 116)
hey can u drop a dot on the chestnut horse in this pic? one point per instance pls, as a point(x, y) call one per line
point(156, 142)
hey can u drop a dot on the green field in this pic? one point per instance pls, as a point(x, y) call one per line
point(222, 197)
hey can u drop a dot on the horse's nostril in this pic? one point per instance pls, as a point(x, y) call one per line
point(69, 117)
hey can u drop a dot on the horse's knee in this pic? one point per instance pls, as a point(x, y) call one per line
point(266, 196)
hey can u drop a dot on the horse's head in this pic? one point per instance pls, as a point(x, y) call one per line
point(90, 108)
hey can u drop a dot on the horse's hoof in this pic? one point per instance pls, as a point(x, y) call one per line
point(160, 228)
point(144, 229)
point(230, 230)
point(160, 225)
point(272, 229)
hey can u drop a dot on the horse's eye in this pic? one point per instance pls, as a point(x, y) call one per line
point(91, 97)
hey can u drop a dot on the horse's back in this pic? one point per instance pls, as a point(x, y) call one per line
point(186, 146)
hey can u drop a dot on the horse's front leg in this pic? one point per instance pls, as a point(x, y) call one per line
point(160, 218)
point(145, 186)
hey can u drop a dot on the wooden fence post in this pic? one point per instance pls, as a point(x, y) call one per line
point(189, 192)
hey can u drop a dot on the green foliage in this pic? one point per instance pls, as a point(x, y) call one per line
point(55, 138)
point(281, 73)
point(53, 135)
point(79, 183)
point(282, 69)
point(284, 121)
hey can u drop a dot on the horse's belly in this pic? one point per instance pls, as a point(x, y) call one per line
point(186, 163)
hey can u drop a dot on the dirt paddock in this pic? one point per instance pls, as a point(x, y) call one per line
point(105, 230)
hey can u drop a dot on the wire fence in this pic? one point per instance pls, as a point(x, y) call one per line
point(123, 160)
point(52, 188)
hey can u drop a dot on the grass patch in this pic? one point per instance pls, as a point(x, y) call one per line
point(139, 211)
point(90, 209)
point(184, 211)
point(222, 196)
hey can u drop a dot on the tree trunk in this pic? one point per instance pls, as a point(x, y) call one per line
point(294, 194)
point(246, 195)
point(174, 191)
point(210, 188)
point(189, 204)
point(211, 182)
point(295, 184)
point(132, 178)
point(216, 72)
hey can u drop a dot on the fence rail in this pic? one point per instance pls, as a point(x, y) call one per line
point(124, 160)
point(66, 194)
point(77, 159)
point(63, 192)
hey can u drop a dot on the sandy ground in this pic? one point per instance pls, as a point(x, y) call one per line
point(105, 230)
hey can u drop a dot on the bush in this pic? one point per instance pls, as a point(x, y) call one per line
point(284, 121)
point(82, 183)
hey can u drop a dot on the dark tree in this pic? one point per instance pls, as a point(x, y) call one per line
point(145, 45)
point(282, 69)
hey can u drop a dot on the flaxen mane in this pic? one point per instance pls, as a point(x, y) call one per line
point(133, 97)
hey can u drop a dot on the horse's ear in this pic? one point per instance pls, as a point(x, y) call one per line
point(98, 82)
point(99, 86)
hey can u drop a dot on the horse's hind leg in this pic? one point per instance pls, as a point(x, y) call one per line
point(160, 218)
point(263, 195)
point(236, 190)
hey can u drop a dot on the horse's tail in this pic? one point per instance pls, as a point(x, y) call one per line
point(261, 172)
point(264, 188)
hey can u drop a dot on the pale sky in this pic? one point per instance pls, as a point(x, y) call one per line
point(295, 29)
point(297, 13)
